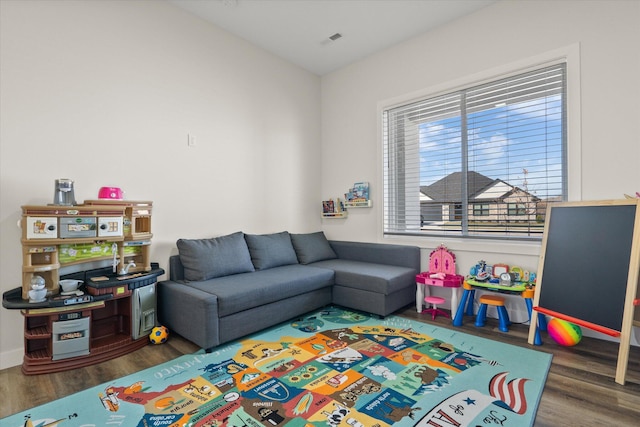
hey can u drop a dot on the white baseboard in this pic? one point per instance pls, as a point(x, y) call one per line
point(11, 358)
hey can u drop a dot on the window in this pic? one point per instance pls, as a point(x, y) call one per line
point(483, 161)
point(480, 209)
point(516, 209)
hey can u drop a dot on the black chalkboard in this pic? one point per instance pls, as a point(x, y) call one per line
point(586, 262)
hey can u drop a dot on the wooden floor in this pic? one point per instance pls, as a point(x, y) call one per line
point(580, 389)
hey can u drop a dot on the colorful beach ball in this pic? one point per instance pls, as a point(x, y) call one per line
point(563, 332)
point(159, 335)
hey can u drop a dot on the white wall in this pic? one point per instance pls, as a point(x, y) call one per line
point(604, 145)
point(105, 93)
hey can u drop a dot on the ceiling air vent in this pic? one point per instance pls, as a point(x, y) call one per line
point(332, 38)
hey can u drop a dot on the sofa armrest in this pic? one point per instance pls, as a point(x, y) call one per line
point(176, 269)
point(378, 253)
point(189, 312)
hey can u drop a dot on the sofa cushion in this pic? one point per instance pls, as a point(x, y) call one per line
point(208, 258)
point(312, 247)
point(271, 250)
point(241, 292)
point(366, 276)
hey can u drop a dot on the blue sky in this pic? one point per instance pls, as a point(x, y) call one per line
point(504, 141)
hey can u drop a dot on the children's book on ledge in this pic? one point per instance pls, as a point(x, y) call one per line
point(358, 196)
point(333, 209)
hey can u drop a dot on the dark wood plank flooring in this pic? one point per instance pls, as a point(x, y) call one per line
point(580, 389)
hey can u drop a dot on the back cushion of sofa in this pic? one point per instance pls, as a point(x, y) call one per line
point(208, 258)
point(271, 250)
point(312, 247)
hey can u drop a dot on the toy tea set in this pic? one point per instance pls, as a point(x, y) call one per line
point(38, 292)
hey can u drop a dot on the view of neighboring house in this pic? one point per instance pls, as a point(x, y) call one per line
point(489, 201)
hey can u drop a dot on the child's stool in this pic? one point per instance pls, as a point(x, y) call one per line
point(434, 310)
point(498, 302)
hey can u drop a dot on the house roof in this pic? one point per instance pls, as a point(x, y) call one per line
point(449, 188)
point(479, 187)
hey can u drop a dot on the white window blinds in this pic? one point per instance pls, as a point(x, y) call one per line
point(483, 161)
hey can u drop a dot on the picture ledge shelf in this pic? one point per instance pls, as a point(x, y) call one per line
point(342, 214)
point(361, 204)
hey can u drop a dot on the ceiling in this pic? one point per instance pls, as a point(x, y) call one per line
point(301, 31)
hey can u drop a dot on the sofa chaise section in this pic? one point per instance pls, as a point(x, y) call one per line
point(373, 277)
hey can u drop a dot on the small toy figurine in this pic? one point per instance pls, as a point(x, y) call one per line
point(481, 273)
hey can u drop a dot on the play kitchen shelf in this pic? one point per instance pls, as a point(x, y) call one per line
point(55, 236)
point(62, 337)
point(137, 217)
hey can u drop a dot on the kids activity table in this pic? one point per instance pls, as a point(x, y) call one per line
point(525, 290)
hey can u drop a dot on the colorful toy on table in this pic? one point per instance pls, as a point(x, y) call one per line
point(500, 275)
point(563, 332)
point(442, 269)
point(481, 271)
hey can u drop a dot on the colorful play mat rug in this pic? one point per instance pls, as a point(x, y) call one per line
point(332, 368)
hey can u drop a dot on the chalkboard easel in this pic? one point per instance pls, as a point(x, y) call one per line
point(589, 269)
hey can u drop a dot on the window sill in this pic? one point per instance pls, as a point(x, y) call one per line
point(481, 246)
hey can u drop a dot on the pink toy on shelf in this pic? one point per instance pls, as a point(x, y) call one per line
point(442, 270)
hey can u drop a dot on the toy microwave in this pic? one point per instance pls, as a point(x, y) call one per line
point(74, 227)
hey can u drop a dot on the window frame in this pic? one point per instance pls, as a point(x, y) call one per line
point(570, 55)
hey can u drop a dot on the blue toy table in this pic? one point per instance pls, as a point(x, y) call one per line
point(523, 289)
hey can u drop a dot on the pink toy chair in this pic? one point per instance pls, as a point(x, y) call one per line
point(434, 310)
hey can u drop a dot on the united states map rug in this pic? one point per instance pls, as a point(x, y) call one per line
point(333, 368)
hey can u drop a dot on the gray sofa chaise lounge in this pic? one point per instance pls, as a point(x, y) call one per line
point(227, 287)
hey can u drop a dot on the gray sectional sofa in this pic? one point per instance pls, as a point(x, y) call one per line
point(227, 287)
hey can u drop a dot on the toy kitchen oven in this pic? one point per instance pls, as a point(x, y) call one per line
point(70, 335)
point(71, 331)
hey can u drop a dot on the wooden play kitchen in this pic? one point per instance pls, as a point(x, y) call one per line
point(65, 330)
point(55, 236)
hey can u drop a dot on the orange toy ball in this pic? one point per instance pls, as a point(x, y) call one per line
point(159, 335)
